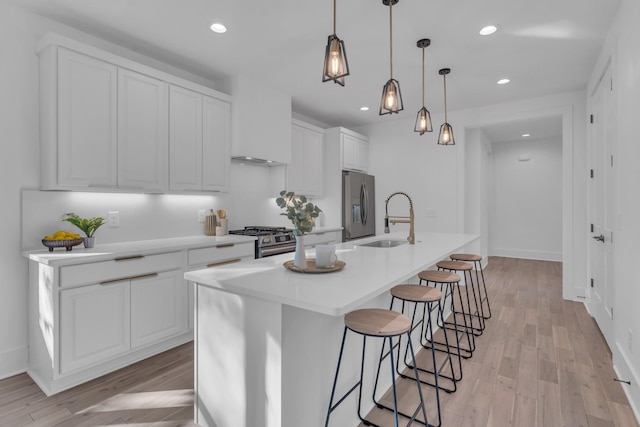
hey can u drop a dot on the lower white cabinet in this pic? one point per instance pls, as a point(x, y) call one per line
point(158, 307)
point(94, 324)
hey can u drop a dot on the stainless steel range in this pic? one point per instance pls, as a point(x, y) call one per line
point(271, 240)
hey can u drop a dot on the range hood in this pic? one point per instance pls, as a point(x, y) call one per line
point(260, 121)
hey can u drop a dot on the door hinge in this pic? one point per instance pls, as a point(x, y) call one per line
point(591, 172)
point(592, 228)
point(591, 119)
point(592, 282)
point(612, 160)
point(611, 83)
point(611, 313)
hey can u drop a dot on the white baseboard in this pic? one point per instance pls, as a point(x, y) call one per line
point(519, 253)
point(13, 362)
point(625, 371)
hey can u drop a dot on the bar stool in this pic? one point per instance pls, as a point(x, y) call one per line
point(386, 324)
point(447, 282)
point(477, 264)
point(430, 298)
point(473, 313)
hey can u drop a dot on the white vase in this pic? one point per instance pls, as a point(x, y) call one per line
point(300, 259)
point(89, 241)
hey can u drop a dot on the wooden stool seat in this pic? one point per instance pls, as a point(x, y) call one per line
point(466, 257)
point(439, 276)
point(377, 322)
point(416, 293)
point(455, 265)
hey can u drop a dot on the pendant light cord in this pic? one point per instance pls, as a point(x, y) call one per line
point(423, 76)
point(334, 16)
point(391, 39)
point(445, 98)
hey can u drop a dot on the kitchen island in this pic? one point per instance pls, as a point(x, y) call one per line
point(267, 339)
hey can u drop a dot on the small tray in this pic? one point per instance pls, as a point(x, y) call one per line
point(69, 244)
point(312, 269)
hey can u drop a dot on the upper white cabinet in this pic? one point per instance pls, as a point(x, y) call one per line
point(353, 148)
point(199, 141)
point(142, 132)
point(79, 142)
point(304, 174)
point(261, 120)
point(108, 123)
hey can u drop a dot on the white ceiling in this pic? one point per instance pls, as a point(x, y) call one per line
point(543, 46)
point(537, 128)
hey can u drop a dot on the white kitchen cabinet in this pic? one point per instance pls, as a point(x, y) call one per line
point(158, 307)
point(94, 324)
point(304, 175)
point(199, 140)
point(142, 132)
point(108, 123)
point(78, 121)
point(311, 240)
point(355, 153)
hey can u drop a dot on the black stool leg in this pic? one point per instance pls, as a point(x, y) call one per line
point(484, 285)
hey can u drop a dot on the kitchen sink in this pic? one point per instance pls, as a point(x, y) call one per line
point(385, 243)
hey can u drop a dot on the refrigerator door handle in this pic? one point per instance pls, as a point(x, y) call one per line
point(364, 201)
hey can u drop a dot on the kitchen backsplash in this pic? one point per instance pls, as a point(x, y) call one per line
point(152, 216)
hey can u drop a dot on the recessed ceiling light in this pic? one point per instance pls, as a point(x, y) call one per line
point(503, 81)
point(488, 30)
point(217, 27)
point(524, 135)
point(364, 108)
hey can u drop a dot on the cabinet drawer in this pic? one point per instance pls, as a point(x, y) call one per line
point(118, 268)
point(222, 252)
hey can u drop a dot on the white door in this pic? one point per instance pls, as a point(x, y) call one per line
point(94, 324)
point(87, 121)
point(158, 307)
point(216, 144)
point(185, 139)
point(143, 127)
point(602, 206)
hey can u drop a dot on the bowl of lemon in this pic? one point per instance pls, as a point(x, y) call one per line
point(62, 239)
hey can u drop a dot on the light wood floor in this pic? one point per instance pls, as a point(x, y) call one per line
point(540, 362)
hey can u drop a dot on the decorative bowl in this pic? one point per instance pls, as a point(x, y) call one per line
point(69, 244)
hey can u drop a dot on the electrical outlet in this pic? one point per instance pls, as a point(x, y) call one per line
point(430, 213)
point(201, 214)
point(630, 340)
point(114, 219)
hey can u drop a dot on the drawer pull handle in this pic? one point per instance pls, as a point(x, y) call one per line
point(107, 282)
point(143, 276)
point(227, 245)
point(129, 258)
point(230, 261)
point(122, 279)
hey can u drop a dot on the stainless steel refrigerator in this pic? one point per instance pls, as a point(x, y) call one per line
point(358, 205)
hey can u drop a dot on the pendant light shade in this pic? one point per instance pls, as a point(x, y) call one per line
point(423, 121)
point(391, 101)
point(446, 130)
point(336, 66)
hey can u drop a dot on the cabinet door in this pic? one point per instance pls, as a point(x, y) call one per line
point(94, 324)
point(296, 177)
point(87, 122)
point(216, 156)
point(185, 139)
point(313, 162)
point(142, 131)
point(349, 152)
point(158, 307)
point(362, 159)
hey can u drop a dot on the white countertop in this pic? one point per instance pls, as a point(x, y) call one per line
point(368, 273)
point(80, 255)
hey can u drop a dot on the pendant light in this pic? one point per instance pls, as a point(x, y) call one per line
point(446, 131)
point(391, 101)
point(423, 121)
point(336, 66)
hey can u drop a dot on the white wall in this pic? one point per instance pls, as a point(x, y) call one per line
point(526, 219)
point(623, 50)
point(477, 185)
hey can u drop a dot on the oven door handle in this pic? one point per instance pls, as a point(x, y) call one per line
point(277, 250)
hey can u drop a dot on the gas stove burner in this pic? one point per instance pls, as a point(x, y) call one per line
point(260, 231)
point(270, 240)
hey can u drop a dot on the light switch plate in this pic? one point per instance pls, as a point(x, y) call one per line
point(114, 219)
point(201, 215)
